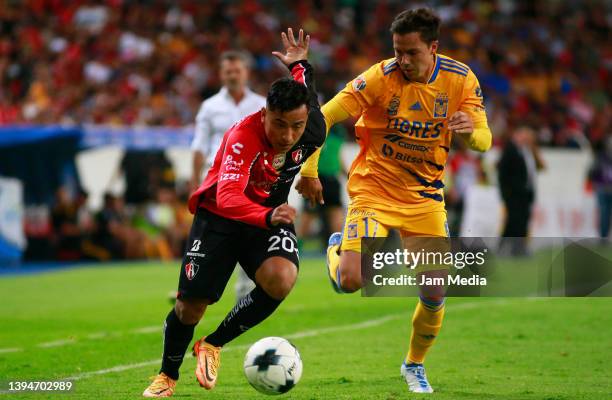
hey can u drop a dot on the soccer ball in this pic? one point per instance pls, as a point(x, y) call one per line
point(273, 365)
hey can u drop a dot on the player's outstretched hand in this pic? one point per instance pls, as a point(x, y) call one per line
point(460, 123)
point(283, 214)
point(311, 189)
point(294, 50)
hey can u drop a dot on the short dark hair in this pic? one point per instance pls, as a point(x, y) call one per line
point(236, 55)
point(285, 94)
point(422, 20)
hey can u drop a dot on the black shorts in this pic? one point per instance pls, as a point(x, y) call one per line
point(216, 244)
point(331, 193)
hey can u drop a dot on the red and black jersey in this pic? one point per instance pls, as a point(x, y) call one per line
point(248, 179)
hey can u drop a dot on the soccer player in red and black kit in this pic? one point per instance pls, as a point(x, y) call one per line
point(242, 216)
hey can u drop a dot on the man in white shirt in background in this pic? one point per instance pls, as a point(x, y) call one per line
point(216, 115)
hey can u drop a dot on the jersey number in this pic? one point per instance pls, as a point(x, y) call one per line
point(287, 244)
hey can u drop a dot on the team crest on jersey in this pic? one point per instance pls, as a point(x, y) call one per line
point(191, 269)
point(440, 105)
point(359, 83)
point(297, 156)
point(278, 161)
point(393, 106)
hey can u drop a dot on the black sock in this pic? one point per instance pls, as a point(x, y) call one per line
point(248, 312)
point(177, 337)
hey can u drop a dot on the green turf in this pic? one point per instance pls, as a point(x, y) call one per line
point(489, 348)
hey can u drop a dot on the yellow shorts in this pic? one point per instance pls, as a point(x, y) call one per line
point(370, 222)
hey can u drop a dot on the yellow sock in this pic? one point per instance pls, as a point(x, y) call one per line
point(333, 260)
point(426, 324)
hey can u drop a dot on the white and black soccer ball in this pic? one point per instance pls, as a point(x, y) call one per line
point(273, 365)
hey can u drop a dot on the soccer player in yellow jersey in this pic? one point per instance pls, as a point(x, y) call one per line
point(409, 108)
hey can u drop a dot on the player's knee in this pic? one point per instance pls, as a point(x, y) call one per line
point(190, 312)
point(278, 282)
point(349, 280)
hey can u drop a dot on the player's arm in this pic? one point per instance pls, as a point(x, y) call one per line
point(333, 112)
point(201, 140)
point(470, 122)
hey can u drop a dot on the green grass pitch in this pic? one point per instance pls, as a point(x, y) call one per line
point(103, 325)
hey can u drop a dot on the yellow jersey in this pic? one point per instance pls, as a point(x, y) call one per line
point(402, 132)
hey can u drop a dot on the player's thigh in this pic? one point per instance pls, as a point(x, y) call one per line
point(210, 257)
point(264, 244)
point(428, 233)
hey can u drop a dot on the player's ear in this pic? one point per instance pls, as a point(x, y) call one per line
point(263, 114)
point(434, 47)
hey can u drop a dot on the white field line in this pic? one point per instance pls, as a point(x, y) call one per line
point(297, 335)
point(56, 343)
point(309, 333)
point(11, 350)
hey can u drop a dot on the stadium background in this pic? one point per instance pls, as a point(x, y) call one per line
point(84, 82)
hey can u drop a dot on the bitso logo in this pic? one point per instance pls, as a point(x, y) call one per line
point(387, 150)
point(191, 269)
point(236, 147)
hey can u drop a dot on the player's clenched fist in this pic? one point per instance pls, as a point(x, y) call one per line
point(283, 214)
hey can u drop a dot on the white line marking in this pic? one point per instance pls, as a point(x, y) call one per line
point(309, 333)
point(56, 343)
point(11, 350)
point(96, 335)
point(148, 329)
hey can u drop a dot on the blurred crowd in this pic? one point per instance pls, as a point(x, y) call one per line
point(543, 64)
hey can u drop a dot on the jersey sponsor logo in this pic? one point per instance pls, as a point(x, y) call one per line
point(230, 177)
point(440, 105)
point(394, 105)
point(417, 129)
point(237, 147)
point(231, 164)
point(359, 83)
point(278, 161)
point(388, 152)
point(191, 269)
point(297, 155)
point(416, 107)
point(196, 245)
point(406, 145)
